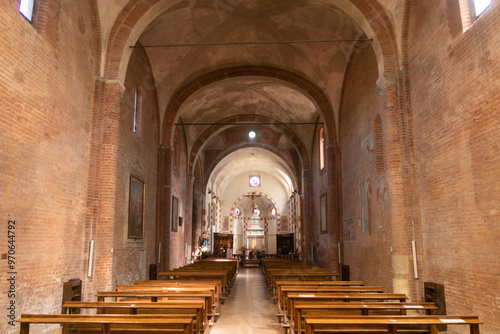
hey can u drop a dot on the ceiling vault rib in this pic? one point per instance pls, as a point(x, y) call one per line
point(251, 43)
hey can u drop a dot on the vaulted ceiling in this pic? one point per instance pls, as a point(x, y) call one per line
point(186, 39)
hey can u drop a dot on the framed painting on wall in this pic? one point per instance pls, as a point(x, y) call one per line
point(175, 213)
point(323, 214)
point(136, 208)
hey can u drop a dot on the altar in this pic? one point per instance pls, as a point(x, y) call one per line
point(255, 233)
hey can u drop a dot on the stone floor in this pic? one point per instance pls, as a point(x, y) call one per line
point(248, 309)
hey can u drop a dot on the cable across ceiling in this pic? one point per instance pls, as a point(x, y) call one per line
point(139, 46)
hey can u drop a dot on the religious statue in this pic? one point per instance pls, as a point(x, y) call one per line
point(256, 211)
point(204, 240)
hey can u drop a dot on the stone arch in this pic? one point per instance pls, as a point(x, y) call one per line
point(258, 145)
point(375, 16)
point(217, 128)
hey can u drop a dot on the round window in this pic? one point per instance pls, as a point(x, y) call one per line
point(254, 181)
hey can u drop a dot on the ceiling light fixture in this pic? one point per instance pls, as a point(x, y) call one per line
point(252, 134)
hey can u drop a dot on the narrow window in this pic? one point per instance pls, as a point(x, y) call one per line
point(321, 148)
point(479, 6)
point(137, 111)
point(176, 153)
point(176, 145)
point(470, 11)
point(26, 8)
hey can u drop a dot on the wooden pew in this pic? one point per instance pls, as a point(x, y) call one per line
point(387, 324)
point(111, 323)
point(228, 265)
point(216, 269)
point(327, 309)
point(153, 296)
point(178, 288)
point(334, 289)
point(173, 283)
point(277, 289)
point(175, 307)
point(294, 297)
point(198, 276)
point(303, 275)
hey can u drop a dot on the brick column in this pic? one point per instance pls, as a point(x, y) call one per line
point(304, 207)
point(164, 200)
point(197, 219)
point(394, 169)
point(332, 153)
point(188, 218)
point(94, 185)
point(103, 170)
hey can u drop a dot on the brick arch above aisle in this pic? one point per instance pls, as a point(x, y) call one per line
point(135, 15)
point(302, 85)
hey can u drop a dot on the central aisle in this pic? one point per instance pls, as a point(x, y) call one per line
point(248, 309)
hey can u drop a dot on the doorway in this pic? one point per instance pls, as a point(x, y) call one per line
point(223, 245)
point(285, 244)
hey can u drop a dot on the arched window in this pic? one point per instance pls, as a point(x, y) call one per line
point(322, 148)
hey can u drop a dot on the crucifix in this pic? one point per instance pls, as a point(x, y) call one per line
point(253, 196)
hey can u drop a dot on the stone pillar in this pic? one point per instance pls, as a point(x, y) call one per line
point(164, 202)
point(394, 169)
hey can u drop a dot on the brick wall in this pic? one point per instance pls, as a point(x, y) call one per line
point(47, 83)
point(178, 240)
point(366, 225)
point(137, 156)
point(455, 94)
point(319, 182)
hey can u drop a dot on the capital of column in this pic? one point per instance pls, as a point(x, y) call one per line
point(111, 82)
point(387, 79)
point(332, 146)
